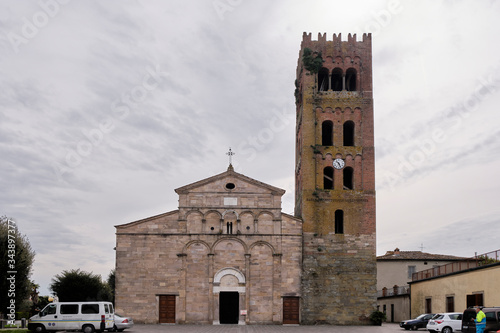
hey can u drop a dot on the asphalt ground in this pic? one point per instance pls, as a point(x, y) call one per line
point(385, 328)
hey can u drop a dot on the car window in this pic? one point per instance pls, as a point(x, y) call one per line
point(469, 315)
point(438, 316)
point(90, 308)
point(49, 309)
point(69, 308)
point(456, 317)
point(490, 316)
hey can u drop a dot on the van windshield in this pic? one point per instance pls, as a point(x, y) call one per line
point(48, 310)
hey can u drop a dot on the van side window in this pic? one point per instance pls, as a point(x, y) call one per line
point(90, 308)
point(490, 316)
point(111, 310)
point(69, 308)
point(106, 309)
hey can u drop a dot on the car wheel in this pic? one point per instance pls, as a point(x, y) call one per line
point(414, 327)
point(447, 330)
point(39, 329)
point(88, 329)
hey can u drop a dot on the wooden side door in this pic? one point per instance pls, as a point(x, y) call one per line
point(167, 309)
point(291, 310)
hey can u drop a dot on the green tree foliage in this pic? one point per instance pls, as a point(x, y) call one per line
point(312, 60)
point(111, 283)
point(16, 255)
point(80, 286)
point(485, 260)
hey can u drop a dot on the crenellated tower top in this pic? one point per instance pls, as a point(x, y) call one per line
point(337, 56)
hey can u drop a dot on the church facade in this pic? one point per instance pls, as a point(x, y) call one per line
point(229, 255)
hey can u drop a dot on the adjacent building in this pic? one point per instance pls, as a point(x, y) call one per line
point(457, 286)
point(395, 270)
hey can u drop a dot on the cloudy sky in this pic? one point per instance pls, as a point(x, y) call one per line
point(108, 106)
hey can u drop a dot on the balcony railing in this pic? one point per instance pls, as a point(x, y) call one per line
point(481, 260)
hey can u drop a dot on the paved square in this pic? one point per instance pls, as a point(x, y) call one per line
point(385, 328)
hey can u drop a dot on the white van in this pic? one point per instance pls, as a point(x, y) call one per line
point(74, 316)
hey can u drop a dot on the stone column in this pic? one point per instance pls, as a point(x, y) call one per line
point(211, 306)
point(181, 316)
point(242, 300)
point(247, 287)
point(277, 292)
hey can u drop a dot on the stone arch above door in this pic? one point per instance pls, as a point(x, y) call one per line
point(233, 272)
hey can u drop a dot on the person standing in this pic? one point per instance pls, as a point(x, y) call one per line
point(480, 321)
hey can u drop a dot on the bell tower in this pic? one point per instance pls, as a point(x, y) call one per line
point(335, 179)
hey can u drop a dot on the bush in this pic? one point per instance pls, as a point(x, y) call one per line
point(377, 317)
point(20, 315)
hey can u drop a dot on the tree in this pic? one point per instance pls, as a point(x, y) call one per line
point(80, 286)
point(111, 283)
point(16, 261)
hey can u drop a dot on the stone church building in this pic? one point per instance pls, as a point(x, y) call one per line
point(229, 255)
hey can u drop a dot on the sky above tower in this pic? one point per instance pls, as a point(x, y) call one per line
point(108, 106)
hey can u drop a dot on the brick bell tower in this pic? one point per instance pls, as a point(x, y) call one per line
point(335, 179)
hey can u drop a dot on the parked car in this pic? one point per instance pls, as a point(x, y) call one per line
point(415, 324)
point(122, 322)
point(447, 322)
point(492, 320)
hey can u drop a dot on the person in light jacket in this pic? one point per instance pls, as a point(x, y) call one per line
point(480, 321)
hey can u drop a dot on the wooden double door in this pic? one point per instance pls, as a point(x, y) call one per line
point(167, 309)
point(291, 308)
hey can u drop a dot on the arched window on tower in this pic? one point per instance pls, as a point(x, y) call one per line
point(327, 133)
point(349, 133)
point(323, 79)
point(337, 79)
point(328, 178)
point(348, 178)
point(339, 221)
point(350, 79)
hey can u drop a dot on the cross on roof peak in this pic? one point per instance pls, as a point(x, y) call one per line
point(230, 153)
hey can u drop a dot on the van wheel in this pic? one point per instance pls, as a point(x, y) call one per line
point(447, 330)
point(39, 329)
point(88, 329)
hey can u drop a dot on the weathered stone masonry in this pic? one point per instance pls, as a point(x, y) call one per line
point(337, 206)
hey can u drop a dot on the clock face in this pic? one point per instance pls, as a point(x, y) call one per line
point(338, 163)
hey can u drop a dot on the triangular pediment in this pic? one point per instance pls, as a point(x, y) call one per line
point(222, 183)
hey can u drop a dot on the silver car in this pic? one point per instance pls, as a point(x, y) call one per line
point(122, 322)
